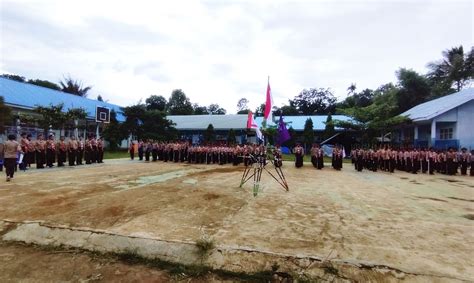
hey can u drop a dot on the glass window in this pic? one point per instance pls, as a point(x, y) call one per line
point(446, 134)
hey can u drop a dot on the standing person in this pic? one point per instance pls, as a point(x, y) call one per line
point(62, 151)
point(314, 155)
point(88, 150)
point(140, 150)
point(11, 149)
point(471, 160)
point(24, 144)
point(131, 150)
point(299, 154)
point(40, 147)
point(1, 156)
point(80, 151)
point(50, 151)
point(72, 147)
point(463, 160)
point(100, 150)
point(94, 154)
point(30, 156)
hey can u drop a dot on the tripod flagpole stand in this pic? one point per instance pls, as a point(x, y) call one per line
point(255, 169)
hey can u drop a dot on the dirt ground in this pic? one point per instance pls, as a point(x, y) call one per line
point(417, 223)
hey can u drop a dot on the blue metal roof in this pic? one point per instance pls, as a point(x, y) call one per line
point(431, 109)
point(297, 122)
point(28, 96)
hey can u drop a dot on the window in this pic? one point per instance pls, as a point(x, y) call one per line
point(446, 134)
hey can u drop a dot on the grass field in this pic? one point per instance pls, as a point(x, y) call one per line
point(286, 157)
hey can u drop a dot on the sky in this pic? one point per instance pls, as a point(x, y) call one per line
point(220, 51)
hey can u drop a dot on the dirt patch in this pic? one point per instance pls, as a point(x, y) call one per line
point(209, 196)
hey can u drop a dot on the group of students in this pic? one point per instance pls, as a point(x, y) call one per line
point(46, 152)
point(150, 150)
point(317, 156)
point(448, 162)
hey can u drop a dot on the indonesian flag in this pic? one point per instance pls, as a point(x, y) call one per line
point(267, 114)
point(252, 125)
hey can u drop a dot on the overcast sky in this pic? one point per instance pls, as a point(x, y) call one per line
point(220, 51)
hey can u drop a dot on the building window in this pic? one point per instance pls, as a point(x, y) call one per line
point(446, 134)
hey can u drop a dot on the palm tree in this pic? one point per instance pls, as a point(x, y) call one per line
point(454, 68)
point(75, 87)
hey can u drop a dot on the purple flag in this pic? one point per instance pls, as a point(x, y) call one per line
point(283, 134)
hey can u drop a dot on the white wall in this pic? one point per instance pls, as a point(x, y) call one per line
point(465, 128)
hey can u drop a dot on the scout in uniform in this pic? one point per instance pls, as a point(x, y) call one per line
point(72, 148)
point(40, 147)
point(50, 151)
point(299, 154)
point(62, 151)
point(80, 151)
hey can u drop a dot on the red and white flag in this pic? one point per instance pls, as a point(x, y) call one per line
point(267, 114)
point(252, 125)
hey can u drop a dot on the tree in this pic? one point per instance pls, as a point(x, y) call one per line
point(413, 89)
point(51, 116)
point(179, 104)
point(113, 132)
point(99, 98)
point(260, 110)
point(5, 114)
point(329, 128)
point(209, 134)
point(455, 68)
point(308, 132)
point(314, 101)
point(155, 126)
point(361, 99)
point(156, 102)
point(14, 77)
point(72, 117)
point(45, 83)
point(134, 116)
point(288, 110)
point(351, 89)
point(242, 105)
point(200, 110)
point(231, 136)
point(215, 109)
point(75, 87)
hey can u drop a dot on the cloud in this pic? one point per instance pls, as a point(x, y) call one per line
point(219, 52)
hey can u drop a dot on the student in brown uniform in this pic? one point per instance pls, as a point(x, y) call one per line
point(72, 147)
point(463, 160)
point(80, 151)
point(131, 150)
point(100, 150)
point(24, 144)
point(40, 147)
point(299, 154)
point(31, 151)
point(62, 151)
point(50, 151)
point(11, 149)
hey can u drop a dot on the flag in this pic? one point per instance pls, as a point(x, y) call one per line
point(283, 134)
point(252, 125)
point(267, 114)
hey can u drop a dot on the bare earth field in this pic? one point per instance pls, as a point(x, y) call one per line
point(418, 224)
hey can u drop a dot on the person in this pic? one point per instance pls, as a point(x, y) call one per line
point(131, 149)
point(62, 151)
point(140, 150)
point(50, 151)
point(80, 151)
point(1, 156)
point(314, 155)
point(100, 150)
point(72, 150)
point(299, 154)
point(24, 144)
point(30, 155)
point(11, 149)
point(463, 160)
point(40, 148)
point(471, 160)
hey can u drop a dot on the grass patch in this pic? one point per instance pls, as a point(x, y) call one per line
point(116, 154)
